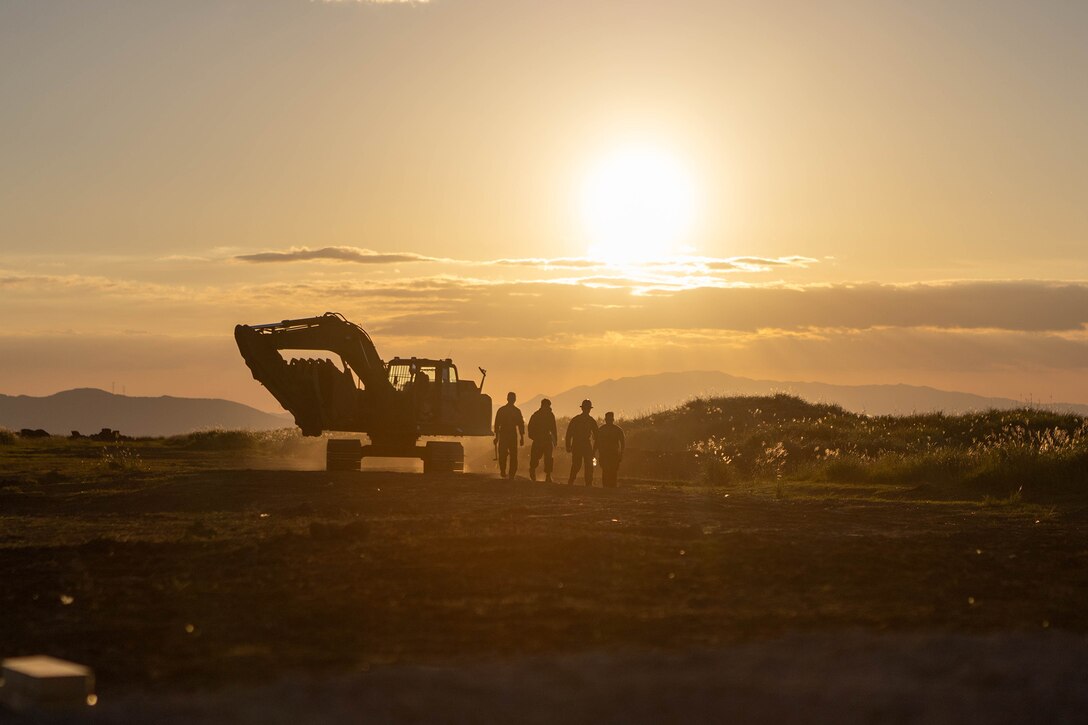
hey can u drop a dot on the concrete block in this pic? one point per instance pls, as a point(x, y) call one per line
point(42, 682)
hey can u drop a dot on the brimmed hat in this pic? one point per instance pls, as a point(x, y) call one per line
point(587, 403)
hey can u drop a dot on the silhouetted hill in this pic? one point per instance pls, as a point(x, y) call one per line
point(89, 410)
point(636, 395)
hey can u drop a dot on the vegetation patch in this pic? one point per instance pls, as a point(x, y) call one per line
point(782, 438)
point(219, 439)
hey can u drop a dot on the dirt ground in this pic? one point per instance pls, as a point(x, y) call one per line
point(245, 595)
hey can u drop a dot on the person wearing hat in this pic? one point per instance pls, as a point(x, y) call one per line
point(581, 440)
point(545, 437)
point(610, 445)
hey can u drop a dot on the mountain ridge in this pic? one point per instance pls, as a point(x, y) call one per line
point(635, 395)
point(89, 410)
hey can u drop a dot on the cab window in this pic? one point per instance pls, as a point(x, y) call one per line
point(400, 376)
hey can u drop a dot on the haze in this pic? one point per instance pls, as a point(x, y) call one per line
point(867, 192)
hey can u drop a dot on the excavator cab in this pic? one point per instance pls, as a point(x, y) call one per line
point(403, 372)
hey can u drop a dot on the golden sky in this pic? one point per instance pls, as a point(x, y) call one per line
point(560, 192)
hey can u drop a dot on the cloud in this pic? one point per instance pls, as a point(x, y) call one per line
point(183, 258)
point(53, 284)
point(338, 254)
point(558, 263)
point(591, 305)
point(680, 266)
point(599, 305)
point(756, 264)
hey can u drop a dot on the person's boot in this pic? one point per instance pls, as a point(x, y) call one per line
point(532, 474)
point(548, 478)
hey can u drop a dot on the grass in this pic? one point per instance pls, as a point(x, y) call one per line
point(783, 438)
point(216, 440)
point(38, 460)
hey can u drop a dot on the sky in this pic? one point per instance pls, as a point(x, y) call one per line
point(558, 192)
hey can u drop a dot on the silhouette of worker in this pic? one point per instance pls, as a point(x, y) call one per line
point(421, 384)
point(545, 437)
point(581, 440)
point(610, 446)
point(509, 426)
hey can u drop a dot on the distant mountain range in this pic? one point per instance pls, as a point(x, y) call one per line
point(89, 410)
point(632, 396)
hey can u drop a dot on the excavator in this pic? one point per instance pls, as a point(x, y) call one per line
point(394, 403)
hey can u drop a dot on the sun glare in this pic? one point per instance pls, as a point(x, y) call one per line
point(638, 205)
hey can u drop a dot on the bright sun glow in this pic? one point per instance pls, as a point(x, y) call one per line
point(638, 205)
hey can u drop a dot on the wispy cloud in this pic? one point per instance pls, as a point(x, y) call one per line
point(599, 305)
point(30, 284)
point(557, 263)
point(683, 266)
point(754, 264)
point(338, 254)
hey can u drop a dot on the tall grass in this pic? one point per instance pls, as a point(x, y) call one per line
point(235, 440)
point(781, 437)
point(7, 437)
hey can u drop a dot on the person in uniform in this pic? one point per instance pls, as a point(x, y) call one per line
point(509, 427)
point(545, 436)
point(581, 439)
point(610, 446)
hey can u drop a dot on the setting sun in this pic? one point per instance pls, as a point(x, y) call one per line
point(638, 204)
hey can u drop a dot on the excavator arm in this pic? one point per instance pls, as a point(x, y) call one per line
point(319, 394)
point(329, 332)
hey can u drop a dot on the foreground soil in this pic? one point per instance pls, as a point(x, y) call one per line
point(214, 580)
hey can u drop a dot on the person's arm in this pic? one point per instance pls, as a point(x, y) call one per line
point(555, 432)
point(623, 443)
point(521, 427)
point(498, 414)
point(570, 434)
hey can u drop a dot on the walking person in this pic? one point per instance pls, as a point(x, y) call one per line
point(545, 436)
point(509, 427)
point(610, 447)
point(581, 439)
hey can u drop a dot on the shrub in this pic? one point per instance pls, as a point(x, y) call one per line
point(120, 459)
